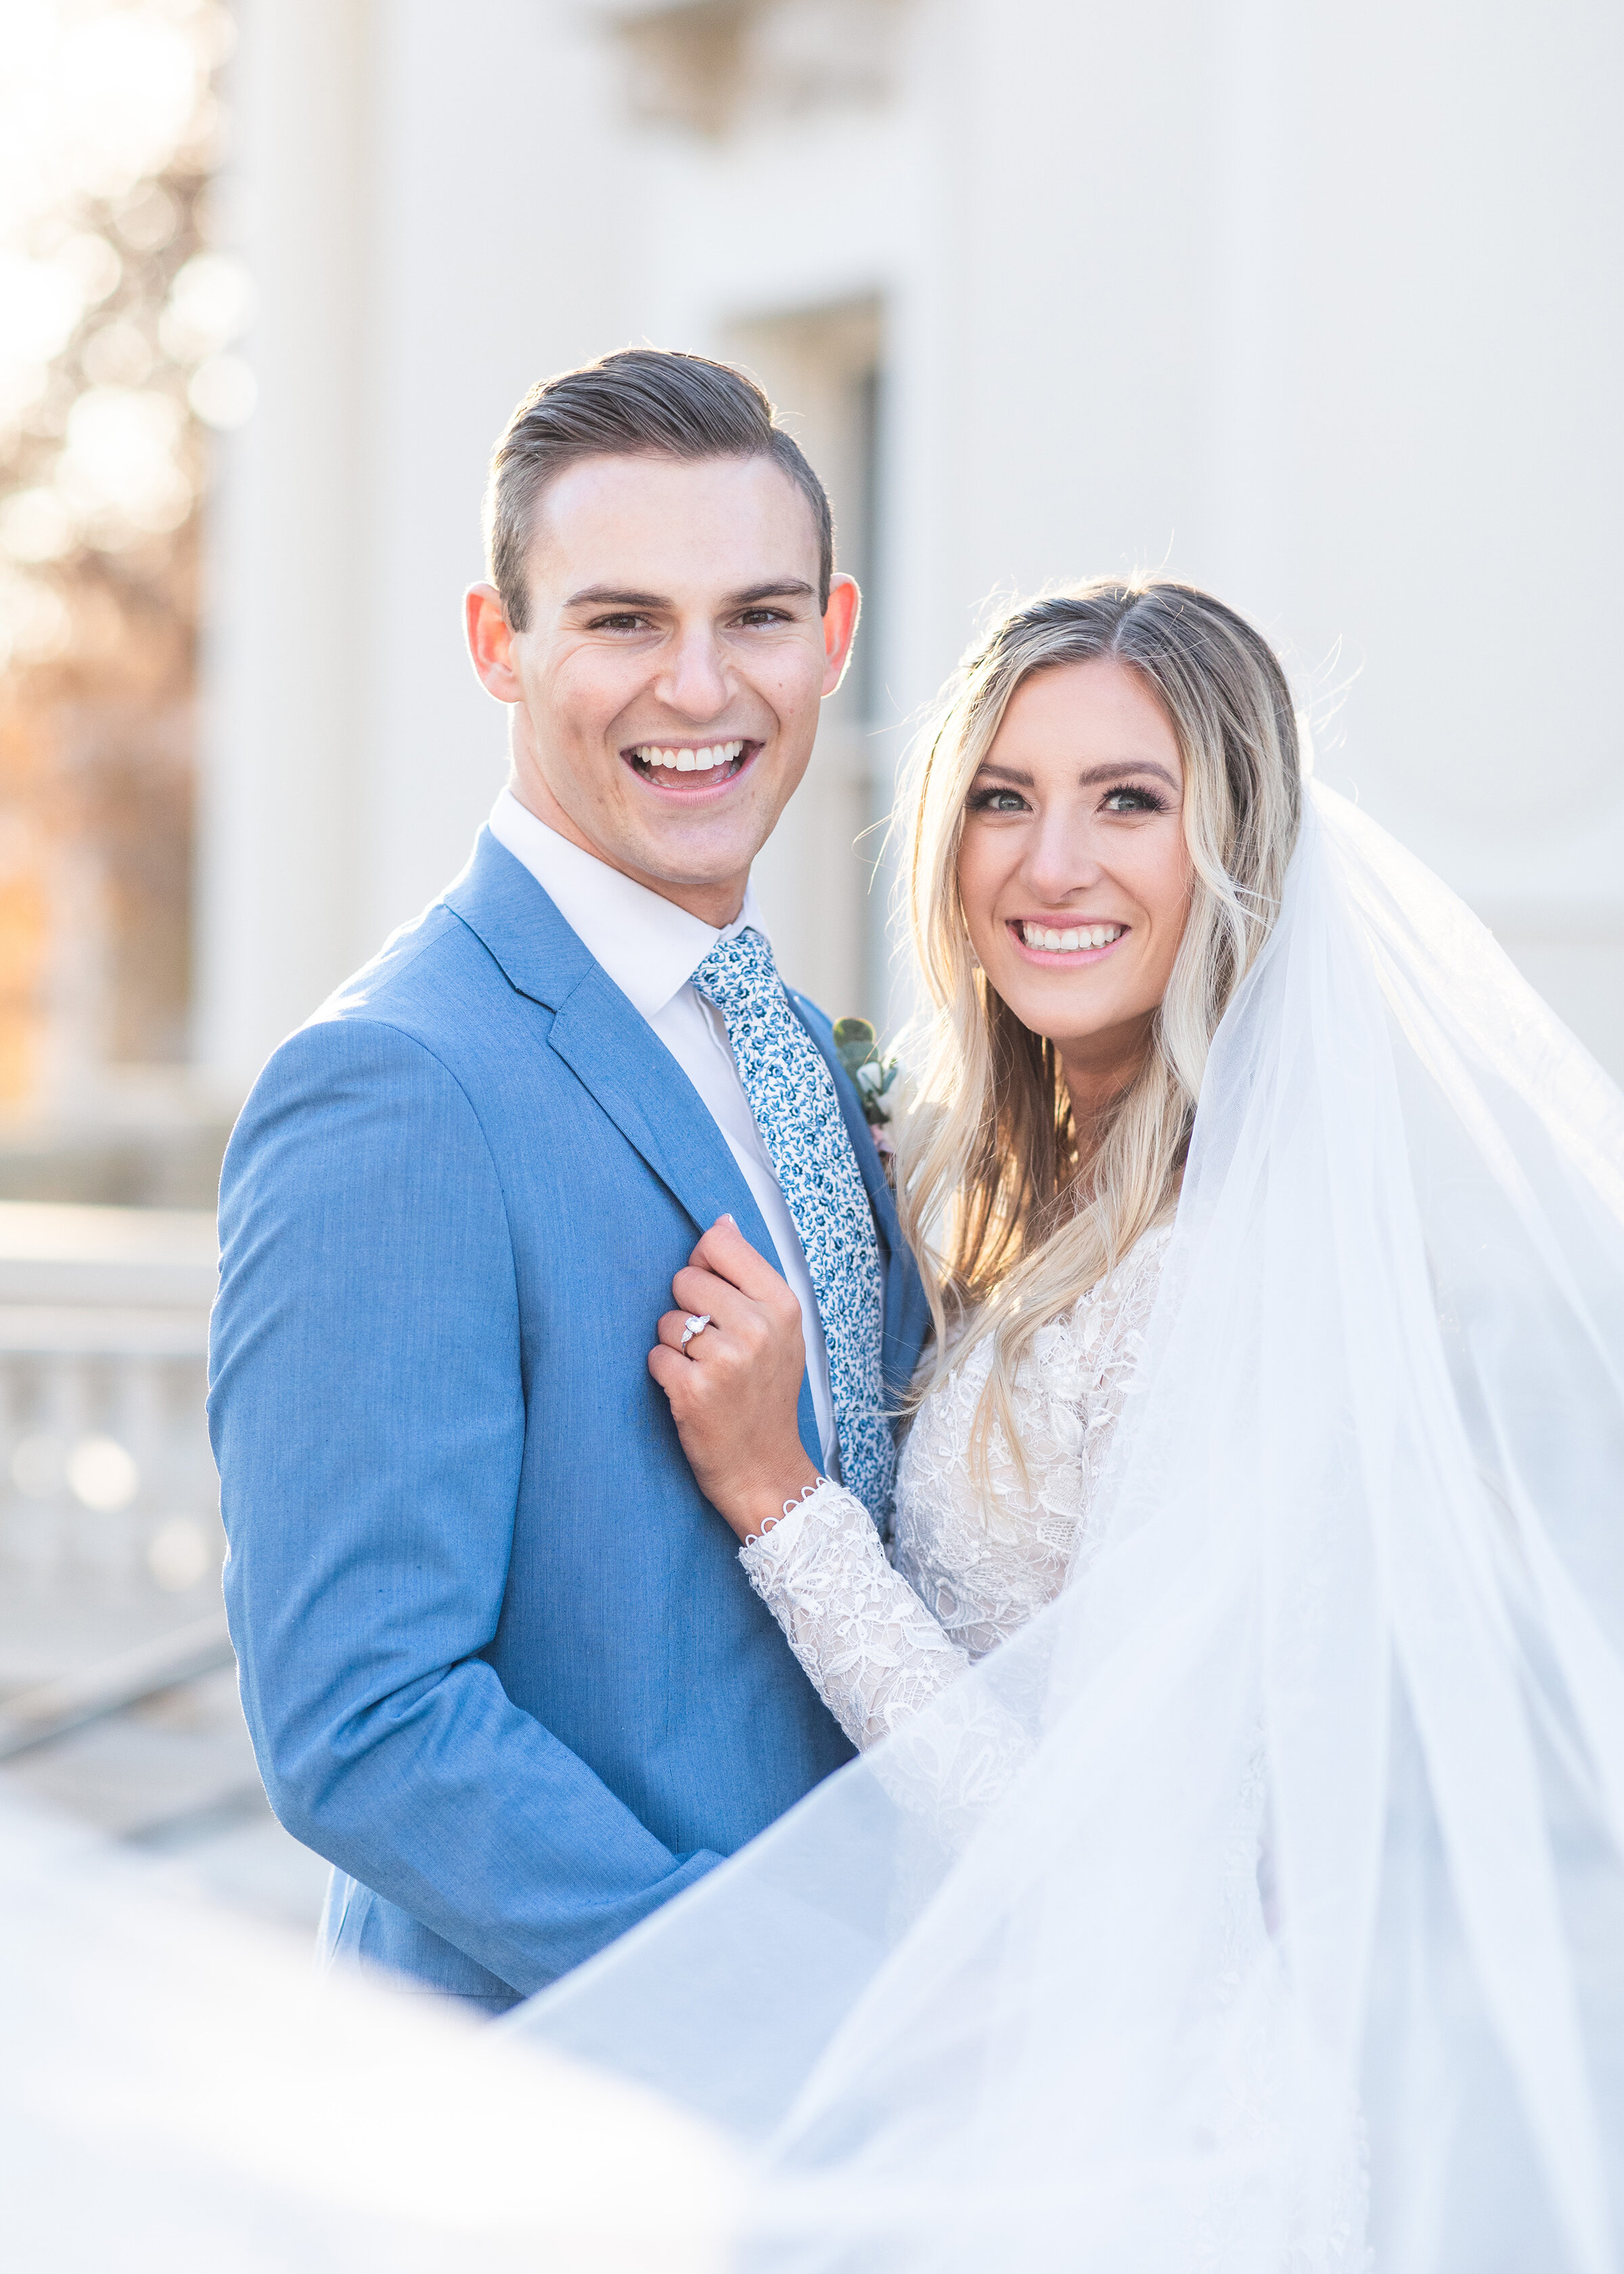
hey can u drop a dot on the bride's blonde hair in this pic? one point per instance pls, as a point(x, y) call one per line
point(1012, 1220)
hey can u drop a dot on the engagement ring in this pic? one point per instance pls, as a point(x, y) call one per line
point(692, 1327)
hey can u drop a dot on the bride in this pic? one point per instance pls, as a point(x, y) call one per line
point(1233, 1875)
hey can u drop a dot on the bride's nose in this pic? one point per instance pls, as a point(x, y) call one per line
point(1060, 861)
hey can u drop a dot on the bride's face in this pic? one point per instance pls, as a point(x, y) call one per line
point(1073, 871)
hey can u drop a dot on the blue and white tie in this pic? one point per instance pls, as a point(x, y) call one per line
point(792, 1094)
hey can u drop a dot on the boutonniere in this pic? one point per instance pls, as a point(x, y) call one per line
point(857, 1047)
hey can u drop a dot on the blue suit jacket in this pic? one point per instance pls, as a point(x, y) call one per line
point(498, 1659)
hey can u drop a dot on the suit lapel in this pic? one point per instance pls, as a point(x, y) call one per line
point(613, 1053)
point(617, 1056)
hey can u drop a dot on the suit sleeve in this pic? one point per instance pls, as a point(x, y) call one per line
point(368, 1415)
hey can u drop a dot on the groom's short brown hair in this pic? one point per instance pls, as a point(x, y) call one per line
point(636, 402)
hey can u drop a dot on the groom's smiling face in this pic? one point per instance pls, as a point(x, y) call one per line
point(665, 689)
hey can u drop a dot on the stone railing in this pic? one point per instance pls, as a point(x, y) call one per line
point(110, 1526)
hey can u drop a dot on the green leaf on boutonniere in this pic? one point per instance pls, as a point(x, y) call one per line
point(858, 1049)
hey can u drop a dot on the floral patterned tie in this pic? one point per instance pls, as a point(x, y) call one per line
point(792, 1094)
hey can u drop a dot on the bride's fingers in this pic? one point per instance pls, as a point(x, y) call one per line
point(698, 1290)
point(724, 1250)
point(682, 1372)
point(673, 1374)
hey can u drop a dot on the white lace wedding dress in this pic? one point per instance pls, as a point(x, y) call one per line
point(880, 1638)
point(877, 1639)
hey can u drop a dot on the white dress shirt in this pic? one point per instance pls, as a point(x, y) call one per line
point(649, 947)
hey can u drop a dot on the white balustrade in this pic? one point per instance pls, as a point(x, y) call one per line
point(108, 1501)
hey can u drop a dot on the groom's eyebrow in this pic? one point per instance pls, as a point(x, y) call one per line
point(607, 596)
point(788, 588)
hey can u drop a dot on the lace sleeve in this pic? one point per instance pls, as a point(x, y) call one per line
point(867, 1645)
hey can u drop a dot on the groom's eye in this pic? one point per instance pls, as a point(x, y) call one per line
point(764, 617)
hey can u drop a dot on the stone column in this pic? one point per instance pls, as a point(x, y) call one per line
point(278, 826)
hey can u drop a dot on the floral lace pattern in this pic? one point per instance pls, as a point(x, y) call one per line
point(877, 1639)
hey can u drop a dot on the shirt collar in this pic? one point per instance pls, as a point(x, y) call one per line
point(648, 945)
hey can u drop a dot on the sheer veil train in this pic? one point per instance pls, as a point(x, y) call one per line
point(1260, 1905)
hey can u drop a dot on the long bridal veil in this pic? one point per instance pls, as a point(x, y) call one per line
point(179, 2094)
point(1262, 1905)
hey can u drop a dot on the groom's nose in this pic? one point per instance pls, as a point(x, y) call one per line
point(692, 680)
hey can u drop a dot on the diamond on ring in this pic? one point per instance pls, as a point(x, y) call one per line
point(692, 1327)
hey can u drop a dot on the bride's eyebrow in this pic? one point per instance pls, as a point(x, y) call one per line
point(1092, 777)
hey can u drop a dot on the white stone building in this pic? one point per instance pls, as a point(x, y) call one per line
point(1319, 305)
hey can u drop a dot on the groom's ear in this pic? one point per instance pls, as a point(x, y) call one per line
point(839, 628)
point(490, 642)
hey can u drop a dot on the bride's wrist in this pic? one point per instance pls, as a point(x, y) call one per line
point(757, 1508)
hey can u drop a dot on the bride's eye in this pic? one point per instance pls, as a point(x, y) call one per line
point(1127, 797)
point(997, 800)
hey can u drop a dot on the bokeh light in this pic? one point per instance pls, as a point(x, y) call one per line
point(119, 320)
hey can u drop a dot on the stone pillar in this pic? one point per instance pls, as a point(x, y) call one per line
point(278, 824)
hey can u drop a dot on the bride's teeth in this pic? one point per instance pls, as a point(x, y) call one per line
point(685, 761)
point(1069, 943)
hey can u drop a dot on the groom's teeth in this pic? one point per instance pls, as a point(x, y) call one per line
point(689, 762)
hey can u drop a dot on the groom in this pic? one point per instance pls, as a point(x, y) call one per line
point(498, 1660)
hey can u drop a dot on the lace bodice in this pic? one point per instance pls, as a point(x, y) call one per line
point(878, 1639)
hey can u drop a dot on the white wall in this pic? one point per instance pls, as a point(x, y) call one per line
point(1319, 306)
point(430, 233)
